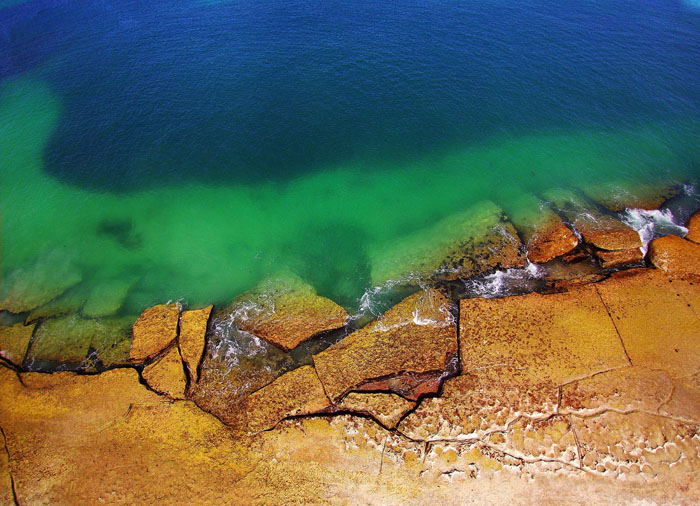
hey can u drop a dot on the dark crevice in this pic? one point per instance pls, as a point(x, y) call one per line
point(9, 468)
point(607, 309)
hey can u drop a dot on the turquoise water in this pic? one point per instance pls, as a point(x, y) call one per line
point(186, 151)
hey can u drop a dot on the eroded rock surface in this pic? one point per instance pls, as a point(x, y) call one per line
point(155, 329)
point(14, 342)
point(694, 228)
point(676, 257)
point(406, 351)
point(285, 311)
point(619, 196)
point(167, 375)
point(192, 340)
point(386, 408)
point(616, 258)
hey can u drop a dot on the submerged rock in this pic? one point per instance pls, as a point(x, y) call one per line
point(63, 340)
point(32, 286)
point(459, 246)
point(106, 297)
point(67, 303)
point(388, 409)
point(694, 228)
point(676, 257)
point(285, 311)
point(14, 342)
point(192, 340)
point(112, 341)
point(618, 196)
point(167, 375)
point(298, 392)
point(155, 329)
point(408, 350)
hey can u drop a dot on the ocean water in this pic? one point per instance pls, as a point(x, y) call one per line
point(187, 150)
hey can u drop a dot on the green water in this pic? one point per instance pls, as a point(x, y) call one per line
point(206, 243)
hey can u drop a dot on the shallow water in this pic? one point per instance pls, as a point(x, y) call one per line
point(187, 150)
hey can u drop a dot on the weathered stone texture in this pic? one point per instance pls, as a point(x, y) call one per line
point(155, 329)
point(617, 258)
point(406, 351)
point(192, 340)
point(386, 408)
point(550, 241)
point(14, 342)
point(167, 375)
point(676, 257)
point(694, 228)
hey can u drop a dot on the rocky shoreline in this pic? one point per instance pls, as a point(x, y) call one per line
point(589, 384)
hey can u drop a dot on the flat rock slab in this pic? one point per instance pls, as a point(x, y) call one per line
point(192, 340)
point(676, 257)
point(14, 342)
point(155, 329)
point(167, 375)
point(617, 258)
point(385, 408)
point(406, 351)
point(65, 339)
point(558, 338)
point(482, 402)
point(550, 240)
point(459, 246)
point(298, 392)
point(694, 228)
point(658, 328)
point(286, 311)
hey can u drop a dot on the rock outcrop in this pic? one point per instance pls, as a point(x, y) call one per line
point(285, 311)
point(677, 257)
point(14, 342)
point(408, 350)
point(155, 329)
point(298, 392)
point(192, 339)
point(167, 375)
point(388, 409)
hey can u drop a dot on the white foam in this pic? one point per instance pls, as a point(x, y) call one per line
point(502, 283)
point(652, 224)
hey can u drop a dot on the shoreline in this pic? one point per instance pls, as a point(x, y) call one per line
point(543, 394)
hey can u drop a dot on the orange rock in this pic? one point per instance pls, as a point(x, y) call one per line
point(14, 342)
point(155, 329)
point(694, 228)
point(619, 257)
point(298, 392)
point(551, 241)
point(386, 408)
point(406, 351)
point(676, 257)
point(607, 233)
point(167, 375)
point(193, 330)
point(286, 311)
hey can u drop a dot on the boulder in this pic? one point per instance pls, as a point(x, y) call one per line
point(34, 285)
point(694, 228)
point(658, 328)
point(155, 329)
point(192, 340)
point(285, 311)
point(558, 337)
point(408, 350)
point(14, 342)
point(617, 258)
point(677, 257)
point(388, 409)
point(298, 392)
point(459, 246)
point(167, 375)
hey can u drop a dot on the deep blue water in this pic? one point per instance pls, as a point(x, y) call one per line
point(161, 92)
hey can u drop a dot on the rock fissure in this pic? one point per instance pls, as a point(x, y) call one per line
point(622, 342)
point(13, 486)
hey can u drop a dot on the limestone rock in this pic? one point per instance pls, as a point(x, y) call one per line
point(480, 403)
point(407, 350)
point(459, 246)
point(34, 285)
point(558, 337)
point(684, 403)
point(167, 375)
point(676, 257)
point(14, 342)
point(62, 340)
point(285, 311)
point(155, 329)
point(550, 241)
point(298, 392)
point(616, 258)
point(694, 228)
point(386, 408)
point(192, 341)
point(656, 325)
point(600, 230)
point(626, 390)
